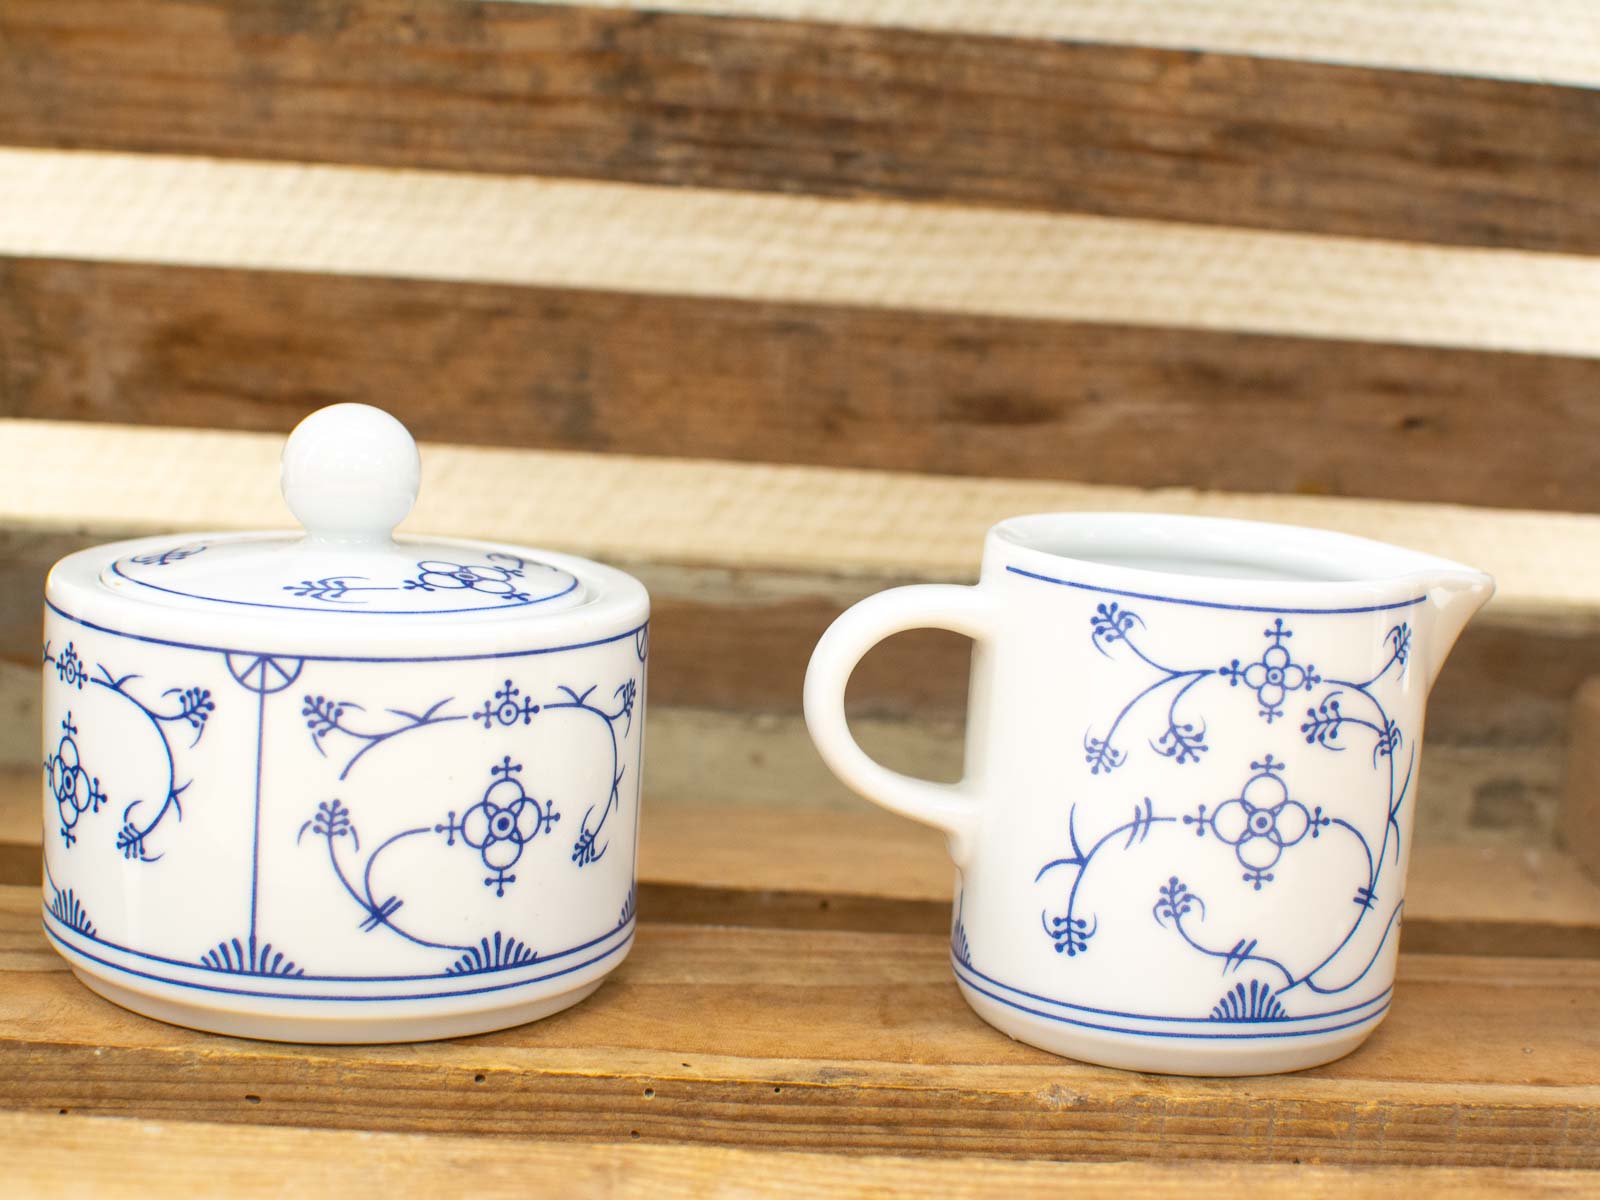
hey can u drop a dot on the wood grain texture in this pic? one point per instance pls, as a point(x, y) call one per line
point(66, 1155)
point(1555, 41)
point(817, 108)
point(708, 242)
point(1579, 829)
point(847, 1041)
point(831, 385)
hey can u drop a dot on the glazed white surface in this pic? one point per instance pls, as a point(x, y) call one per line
point(324, 821)
point(1185, 822)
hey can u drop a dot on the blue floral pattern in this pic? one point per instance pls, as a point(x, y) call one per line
point(496, 822)
point(164, 558)
point(1260, 824)
point(431, 585)
point(1274, 675)
point(500, 823)
point(77, 793)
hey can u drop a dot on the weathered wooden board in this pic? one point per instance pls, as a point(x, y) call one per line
point(811, 107)
point(1579, 830)
point(1557, 41)
point(838, 1040)
point(765, 247)
point(68, 1154)
point(830, 385)
point(61, 476)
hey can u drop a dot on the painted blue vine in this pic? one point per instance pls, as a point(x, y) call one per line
point(1260, 824)
point(498, 821)
point(78, 793)
point(503, 819)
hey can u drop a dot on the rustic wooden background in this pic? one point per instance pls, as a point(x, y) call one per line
point(779, 302)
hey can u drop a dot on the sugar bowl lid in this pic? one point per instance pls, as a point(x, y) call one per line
point(350, 474)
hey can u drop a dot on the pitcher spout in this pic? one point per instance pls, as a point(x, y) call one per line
point(1454, 593)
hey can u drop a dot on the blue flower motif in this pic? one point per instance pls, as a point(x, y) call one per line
point(498, 577)
point(1274, 675)
point(1111, 623)
point(69, 667)
point(1261, 822)
point(1175, 901)
point(506, 709)
point(1101, 755)
point(1400, 638)
point(500, 824)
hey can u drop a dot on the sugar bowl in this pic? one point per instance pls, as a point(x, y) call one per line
point(338, 786)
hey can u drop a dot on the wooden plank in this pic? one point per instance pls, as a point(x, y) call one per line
point(112, 1156)
point(875, 525)
point(1580, 810)
point(1556, 42)
point(802, 863)
point(565, 233)
point(809, 107)
point(848, 1041)
point(832, 385)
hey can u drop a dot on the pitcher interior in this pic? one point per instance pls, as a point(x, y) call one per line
point(1213, 548)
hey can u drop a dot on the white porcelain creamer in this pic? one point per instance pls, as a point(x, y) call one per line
point(1192, 755)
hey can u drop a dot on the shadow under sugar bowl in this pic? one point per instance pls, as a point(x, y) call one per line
point(341, 787)
point(1191, 768)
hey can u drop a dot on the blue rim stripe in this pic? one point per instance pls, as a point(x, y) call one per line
point(369, 658)
point(302, 997)
point(1163, 1033)
point(178, 962)
point(1262, 608)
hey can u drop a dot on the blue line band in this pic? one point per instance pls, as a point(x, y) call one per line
point(372, 658)
point(1262, 608)
point(1133, 1016)
point(1123, 1031)
point(315, 998)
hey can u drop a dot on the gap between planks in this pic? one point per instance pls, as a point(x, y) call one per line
point(62, 1155)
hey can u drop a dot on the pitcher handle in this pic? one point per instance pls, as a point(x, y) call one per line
point(951, 807)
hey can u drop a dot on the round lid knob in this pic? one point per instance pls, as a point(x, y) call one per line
point(350, 473)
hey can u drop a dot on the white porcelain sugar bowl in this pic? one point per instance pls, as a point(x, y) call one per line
point(336, 786)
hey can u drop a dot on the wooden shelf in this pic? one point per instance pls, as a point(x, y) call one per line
point(840, 1040)
point(119, 1156)
point(790, 990)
